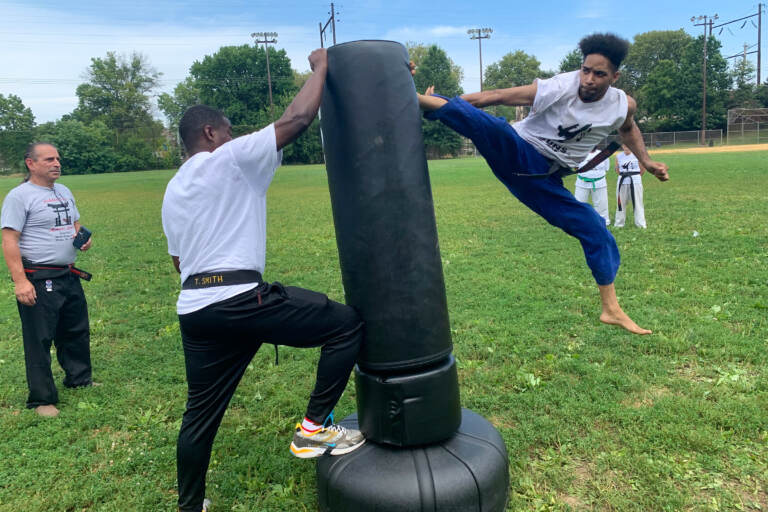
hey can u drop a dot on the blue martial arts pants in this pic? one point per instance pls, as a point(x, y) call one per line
point(509, 156)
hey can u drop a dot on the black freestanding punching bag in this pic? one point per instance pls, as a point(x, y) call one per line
point(407, 385)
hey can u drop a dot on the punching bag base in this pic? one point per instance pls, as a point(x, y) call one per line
point(467, 472)
point(409, 409)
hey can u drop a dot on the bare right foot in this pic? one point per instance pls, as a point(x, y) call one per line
point(47, 411)
point(613, 314)
point(622, 320)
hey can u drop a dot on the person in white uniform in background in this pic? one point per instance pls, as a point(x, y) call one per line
point(629, 188)
point(593, 184)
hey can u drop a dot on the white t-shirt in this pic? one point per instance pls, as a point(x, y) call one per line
point(215, 213)
point(563, 127)
point(598, 172)
point(629, 163)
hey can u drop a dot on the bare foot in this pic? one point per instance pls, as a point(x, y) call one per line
point(621, 319)
point(613, 314)
point(47, 411)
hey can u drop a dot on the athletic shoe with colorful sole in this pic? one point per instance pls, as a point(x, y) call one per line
point(333, 440)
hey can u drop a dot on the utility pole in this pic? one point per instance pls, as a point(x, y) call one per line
point(707, 22)
point(265, 38)
point(332, 21)
point(480, 34)
point(759, 33)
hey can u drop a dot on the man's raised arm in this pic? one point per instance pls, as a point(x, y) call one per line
point(303, 109)
point(512, 96)
point(632, 137)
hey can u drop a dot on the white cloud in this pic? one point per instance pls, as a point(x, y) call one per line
point(419, 34)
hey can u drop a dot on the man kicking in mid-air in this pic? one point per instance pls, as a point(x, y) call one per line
point(571, 113)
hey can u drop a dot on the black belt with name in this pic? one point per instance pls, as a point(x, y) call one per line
point(224, 278)
point(34, 271)
point(625, 175)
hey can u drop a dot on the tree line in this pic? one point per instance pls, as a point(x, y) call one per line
point(113, 127)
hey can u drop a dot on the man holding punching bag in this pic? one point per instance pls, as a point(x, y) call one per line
point(214, 217)
point(571, 113)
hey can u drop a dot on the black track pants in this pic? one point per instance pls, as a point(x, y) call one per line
point(59, 316)
point(219, 342)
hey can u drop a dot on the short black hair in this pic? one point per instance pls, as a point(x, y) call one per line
point(610, 46)
point(194, 119)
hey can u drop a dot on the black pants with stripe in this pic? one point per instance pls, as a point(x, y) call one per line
point(59, 316)
point(221, 339)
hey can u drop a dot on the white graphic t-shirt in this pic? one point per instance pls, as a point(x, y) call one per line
point(563, 127)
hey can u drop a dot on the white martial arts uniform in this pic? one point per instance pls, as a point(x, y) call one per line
point(592, 183)
point(630, 191)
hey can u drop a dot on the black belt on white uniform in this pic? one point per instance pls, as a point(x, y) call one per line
point(224, 278)
point(631, 187)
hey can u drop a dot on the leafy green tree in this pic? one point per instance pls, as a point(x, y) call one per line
point(761, 95)
point(185, 95)
point(234, 80)
point(117, 92)
point(743, 92)
point(645, 52)
point(671, 95)
point(84, 149)
point(571, 62)
point(514, 69)
point(417, 52)
point(16, 130)
point(435, 68)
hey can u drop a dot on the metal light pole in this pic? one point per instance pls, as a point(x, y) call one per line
point(480, 34)
point(264, 37)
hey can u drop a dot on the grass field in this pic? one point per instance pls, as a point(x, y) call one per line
point(593, 418)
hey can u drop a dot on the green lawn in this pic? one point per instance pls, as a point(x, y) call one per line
point(593, 418)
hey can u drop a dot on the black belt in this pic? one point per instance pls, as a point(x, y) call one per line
point(631, 187)
point(224, 278)
point(559, 169)
point(34, 271)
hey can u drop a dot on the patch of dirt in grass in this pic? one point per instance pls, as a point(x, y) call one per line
point(691, 372)
point(582, 475)
point(646, 398)
point(502, 423)
point(754, 497)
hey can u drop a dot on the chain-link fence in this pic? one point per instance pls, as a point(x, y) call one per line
point(679, 139)
point(653, 140)
point(747, 126)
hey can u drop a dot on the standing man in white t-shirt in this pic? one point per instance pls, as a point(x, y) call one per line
point(629, 187)
point(592, 184)
point(571, 113)
point(214, 217)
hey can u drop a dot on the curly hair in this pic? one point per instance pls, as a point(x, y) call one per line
point(610, 46)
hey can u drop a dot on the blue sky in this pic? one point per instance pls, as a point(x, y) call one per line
point(45, 46)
